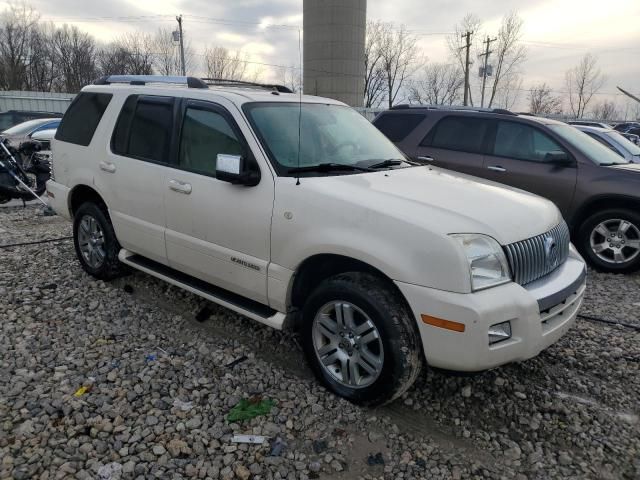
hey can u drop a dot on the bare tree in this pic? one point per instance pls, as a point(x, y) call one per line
point(17, 23)
point(605, 110)
point(399, 55)
point(509, 54)
point(509, 93)
point(220, 62)
point(439, 84)
point(74, 54)
point(43, 69)
point(290, 78)
point(457, 44)
point(543, 102)
point(374, 78)
point(583, 82)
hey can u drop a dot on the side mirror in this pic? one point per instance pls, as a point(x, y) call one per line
point(235, 170)
point(559, 158)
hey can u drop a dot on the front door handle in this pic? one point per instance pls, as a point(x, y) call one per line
point(426, 159)
point(496, 168)
point(107, 167)
point(180, 187)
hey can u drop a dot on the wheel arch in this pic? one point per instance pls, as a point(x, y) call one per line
point(84, 193)
point(602, 203)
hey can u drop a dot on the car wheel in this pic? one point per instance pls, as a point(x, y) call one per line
point(610, 240)
point(360, 338)
point(95, 242)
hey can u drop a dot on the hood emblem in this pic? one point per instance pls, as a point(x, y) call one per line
point(551, 251)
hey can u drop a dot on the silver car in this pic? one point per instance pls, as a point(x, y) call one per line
point(613, 140)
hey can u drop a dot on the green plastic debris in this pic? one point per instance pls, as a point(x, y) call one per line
point(247, 409)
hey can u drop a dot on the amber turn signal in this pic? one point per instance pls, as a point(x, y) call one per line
point(439, 322)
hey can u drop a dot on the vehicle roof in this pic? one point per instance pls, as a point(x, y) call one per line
point(588, 128)
point(34, 123)
point(236, 94)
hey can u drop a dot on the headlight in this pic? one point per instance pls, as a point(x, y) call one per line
point(488, 265)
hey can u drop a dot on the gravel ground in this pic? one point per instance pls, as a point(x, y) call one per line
point(161, 382)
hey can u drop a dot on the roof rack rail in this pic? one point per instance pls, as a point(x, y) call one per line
point(500, 111)
point(190, 82)
point(242, 83)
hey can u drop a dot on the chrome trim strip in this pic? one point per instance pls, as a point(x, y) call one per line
point(557, 297)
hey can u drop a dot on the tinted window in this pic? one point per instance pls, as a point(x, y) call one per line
point(603, 142)
point(148, 128)
point(523, 142)
point(82, 117)
point(464, 134)
point(397, 126)
point(205, 134)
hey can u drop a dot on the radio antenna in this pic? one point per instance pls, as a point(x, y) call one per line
point(299, 101)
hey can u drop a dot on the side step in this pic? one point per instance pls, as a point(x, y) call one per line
point(244, 306)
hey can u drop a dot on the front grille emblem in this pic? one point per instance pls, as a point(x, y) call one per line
point(551, 252)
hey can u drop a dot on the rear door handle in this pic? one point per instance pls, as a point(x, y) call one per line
point(496, 168)
point(107, 167)
point(180, 187)
point(426, 159)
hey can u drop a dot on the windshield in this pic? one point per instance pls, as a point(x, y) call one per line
point(625, 143)
point(328, 134)
point(594, 150)
point(27, 127)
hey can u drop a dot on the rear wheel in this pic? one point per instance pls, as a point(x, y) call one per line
point(95, 242)
point(360, 338)
point(611, 240)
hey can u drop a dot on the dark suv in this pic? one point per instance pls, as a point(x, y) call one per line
point(597, 191)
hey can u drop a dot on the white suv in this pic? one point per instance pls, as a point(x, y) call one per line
point(296, 208)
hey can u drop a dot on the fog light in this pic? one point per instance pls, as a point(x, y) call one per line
point(499, 332)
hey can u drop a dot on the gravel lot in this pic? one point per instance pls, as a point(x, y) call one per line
point(573, 412)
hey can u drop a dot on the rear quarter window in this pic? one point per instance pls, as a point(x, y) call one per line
point(397, 127)
point(464, 134)
point(82, 118)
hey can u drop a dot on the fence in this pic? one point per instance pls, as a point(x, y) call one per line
point(35, 101)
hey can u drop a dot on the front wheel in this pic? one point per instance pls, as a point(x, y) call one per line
point(360, 338)
point(610, 240)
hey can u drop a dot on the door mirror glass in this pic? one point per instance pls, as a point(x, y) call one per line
point(234, 169)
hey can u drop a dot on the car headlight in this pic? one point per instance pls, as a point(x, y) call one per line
point(488, 264)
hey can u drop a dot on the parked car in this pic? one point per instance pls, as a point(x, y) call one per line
point(44, 137)
point(614, 141)
point(378, 261)
point(23, 131)
point(586, 123)
point(624, 126)
point(596, 190)
point(635, 139)
point(13, 117)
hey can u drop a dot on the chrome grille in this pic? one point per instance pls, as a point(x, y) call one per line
point(537, 256)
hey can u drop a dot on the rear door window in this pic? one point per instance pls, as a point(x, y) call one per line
point(82, 118)
point(464, 134)
point(523, 142)
point(144, 128)
point(397, 126)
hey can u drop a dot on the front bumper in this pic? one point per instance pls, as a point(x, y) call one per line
point(540, 313)
point(58, 198)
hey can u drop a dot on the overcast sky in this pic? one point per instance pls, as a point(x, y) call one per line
point(556, 32)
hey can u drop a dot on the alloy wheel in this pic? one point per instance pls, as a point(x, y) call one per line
point(91, 241)
point(615, 241)
point(347, 344)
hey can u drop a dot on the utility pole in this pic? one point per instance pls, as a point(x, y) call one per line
point(179, 19)
point(486, 54)
point(466, 67)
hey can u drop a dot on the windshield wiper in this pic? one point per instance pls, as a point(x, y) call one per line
point(391, 162)
point(329, 167)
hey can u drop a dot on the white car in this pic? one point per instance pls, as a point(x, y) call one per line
point(613, 140)
point(383, 265)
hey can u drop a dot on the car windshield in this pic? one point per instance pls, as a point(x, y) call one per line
point(629, 146)
point(593, 149)
point(27, 127)
point(328, 134)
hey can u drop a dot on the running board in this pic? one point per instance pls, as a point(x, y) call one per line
point(244, 306)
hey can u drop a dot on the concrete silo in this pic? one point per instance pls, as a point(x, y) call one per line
point(334, 36)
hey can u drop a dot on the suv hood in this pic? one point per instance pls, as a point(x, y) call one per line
point(446, 202)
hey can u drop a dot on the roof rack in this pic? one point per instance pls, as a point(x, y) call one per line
point(242, 83)
point(190, 82)
point(500, 111)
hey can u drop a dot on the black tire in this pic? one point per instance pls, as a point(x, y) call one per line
point(110, 267)
point(384, 306)
point(602, 264)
